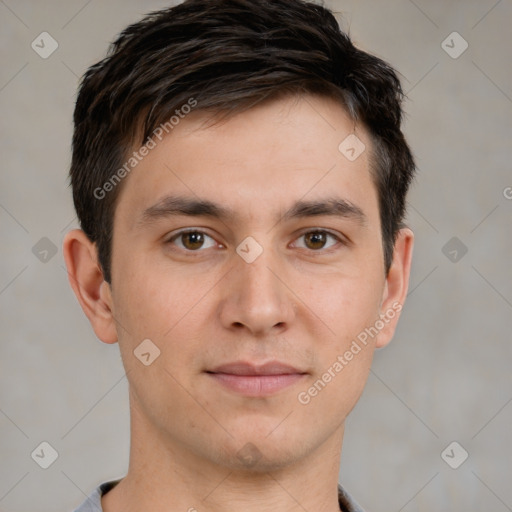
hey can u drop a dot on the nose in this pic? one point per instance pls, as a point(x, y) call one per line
point(256, 297)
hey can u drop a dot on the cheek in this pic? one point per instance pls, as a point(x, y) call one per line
point(347, 307)
point(153, 306)
point(151, 300)
point(166, 308)
point(344, 355)
point(345, 304)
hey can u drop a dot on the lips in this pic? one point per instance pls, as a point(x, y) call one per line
point(243, 368)
point(256, 380)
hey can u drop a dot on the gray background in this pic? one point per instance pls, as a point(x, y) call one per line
point(445, 377)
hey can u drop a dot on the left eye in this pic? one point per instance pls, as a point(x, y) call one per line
point(315, 240)
point(192, 240)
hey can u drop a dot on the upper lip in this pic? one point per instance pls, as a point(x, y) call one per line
point(245, 368)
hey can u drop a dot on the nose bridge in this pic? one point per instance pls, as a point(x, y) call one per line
point(257, 297)
point(259, 279)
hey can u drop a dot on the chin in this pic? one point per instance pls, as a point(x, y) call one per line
point(263, 454)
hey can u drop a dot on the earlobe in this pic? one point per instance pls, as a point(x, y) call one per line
point(86, 280)
point(396, 286)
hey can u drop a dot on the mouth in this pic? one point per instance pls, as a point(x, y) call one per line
point(256, 380)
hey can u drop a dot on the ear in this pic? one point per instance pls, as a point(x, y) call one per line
point(395, 287)
point(86, 279)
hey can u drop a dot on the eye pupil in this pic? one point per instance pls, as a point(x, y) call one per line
point(193, 240)
point(316, 239)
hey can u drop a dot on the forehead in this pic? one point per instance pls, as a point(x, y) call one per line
point(257, 162)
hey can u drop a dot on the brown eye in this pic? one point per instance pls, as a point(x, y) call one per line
point(192, 240)
point(316, 240)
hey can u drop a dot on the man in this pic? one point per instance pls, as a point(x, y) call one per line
point(240, 176)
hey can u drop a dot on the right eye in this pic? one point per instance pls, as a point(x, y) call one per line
point(192, 240)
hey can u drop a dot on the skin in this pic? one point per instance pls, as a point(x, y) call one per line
point(302, 301)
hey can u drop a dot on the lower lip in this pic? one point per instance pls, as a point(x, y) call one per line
point(256, 385)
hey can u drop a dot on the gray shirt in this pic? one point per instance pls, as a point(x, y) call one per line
point(93, 502)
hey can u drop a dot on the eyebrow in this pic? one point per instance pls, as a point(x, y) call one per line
point(170, 206)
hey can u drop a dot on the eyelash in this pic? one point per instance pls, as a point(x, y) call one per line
point(310, 231)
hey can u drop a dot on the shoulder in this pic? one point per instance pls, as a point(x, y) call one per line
point(347, 503)
point(93, 501)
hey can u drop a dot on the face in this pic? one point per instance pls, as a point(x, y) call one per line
point(250, 254)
